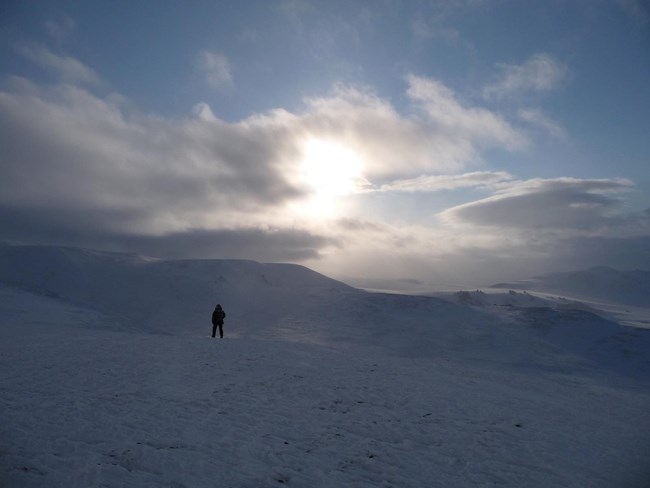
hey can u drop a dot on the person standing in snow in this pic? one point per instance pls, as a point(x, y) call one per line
point(217, 320)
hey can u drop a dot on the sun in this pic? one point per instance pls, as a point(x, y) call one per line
point(330, 171)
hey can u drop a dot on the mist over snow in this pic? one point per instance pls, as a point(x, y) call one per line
point(110, 378)
point(603, 283)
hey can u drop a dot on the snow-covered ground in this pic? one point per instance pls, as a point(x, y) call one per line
point(108, 377)
point(624, 296)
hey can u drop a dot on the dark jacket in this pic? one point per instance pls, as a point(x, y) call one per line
point(217, 316)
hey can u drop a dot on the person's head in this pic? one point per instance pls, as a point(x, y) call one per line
point(218, 305)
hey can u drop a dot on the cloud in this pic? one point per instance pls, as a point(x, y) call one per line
point(537, 118)
point(440, 135)
point(92, 170)
point(215, 68)
point(428, 183)
point(464, 256)
point(540, 73)
point(204, 112)
point(449, 117)
point(82, 228)
point(546, 204)
point(265, 244)
point(70, 70)
point(98, 174)
point(91, 153)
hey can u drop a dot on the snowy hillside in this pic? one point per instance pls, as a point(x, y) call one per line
point(289, 302)
point(164, 296)
point(109, 378)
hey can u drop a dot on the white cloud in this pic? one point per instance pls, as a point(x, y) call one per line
point(392, 145)
point(429, 183)
point(538, 118)
point(68, 69)
point(479, 125)
point(216, 69)
point(540, 73)
point(204, 112)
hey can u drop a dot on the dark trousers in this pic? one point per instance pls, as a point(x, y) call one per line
point(214, 330)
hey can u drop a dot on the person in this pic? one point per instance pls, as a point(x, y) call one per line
point(217, 320)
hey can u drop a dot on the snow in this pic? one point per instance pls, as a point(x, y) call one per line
point(623, 296)
point(108, 377)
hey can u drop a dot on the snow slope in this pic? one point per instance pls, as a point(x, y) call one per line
point(163, 296)
point(108, 378)
point(622, 296)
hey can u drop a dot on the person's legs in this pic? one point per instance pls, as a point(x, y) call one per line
point(214, 329)
point(221, 330)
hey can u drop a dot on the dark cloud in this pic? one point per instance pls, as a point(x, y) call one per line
point(564, 203)
point(262, 244)
point(259, 244)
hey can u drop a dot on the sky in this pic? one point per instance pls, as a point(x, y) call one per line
point(434, 142)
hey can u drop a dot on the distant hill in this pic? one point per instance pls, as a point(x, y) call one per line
point(286, 302)
point(602, 283)
point(261, 300)
point(163, 296)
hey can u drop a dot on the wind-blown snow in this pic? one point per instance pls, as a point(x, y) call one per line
point(108, 377)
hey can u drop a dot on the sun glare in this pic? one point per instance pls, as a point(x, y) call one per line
point(330, 171)
point(330, 168)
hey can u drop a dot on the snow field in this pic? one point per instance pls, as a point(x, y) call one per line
point(108, 378)
point(93, 407)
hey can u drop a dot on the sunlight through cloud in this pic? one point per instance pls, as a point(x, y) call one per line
point(330, 171)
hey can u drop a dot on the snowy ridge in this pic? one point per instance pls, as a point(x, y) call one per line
point(163, 296)
point(109, 378)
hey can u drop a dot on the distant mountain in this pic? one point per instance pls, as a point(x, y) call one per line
point(601, 283)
